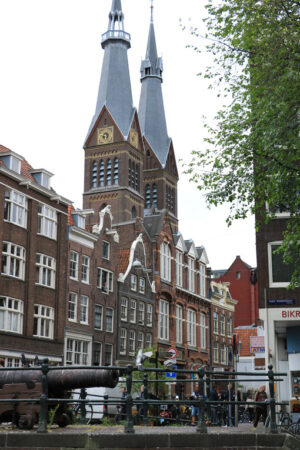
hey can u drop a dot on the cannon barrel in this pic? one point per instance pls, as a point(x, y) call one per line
point(63, 378)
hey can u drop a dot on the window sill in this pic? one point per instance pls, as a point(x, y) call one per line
point(48, 237)
point(17, 224)
point(12, 276)
point(43, 285)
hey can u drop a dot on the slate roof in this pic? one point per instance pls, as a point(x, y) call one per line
point(153, 223)
point(115, 86)
point(151, 107)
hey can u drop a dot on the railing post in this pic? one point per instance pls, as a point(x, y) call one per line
point(201, 428)
point(273, 426)
point(209, 406)
point(129, 419)
point(42, 426)
point(83, 395)
point(105, 405)
point(145, 406)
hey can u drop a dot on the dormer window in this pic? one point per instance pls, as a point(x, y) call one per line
point(15, 164)
point(42, 177)
point(12, 162)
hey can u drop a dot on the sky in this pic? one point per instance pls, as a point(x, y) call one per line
point(50, 65)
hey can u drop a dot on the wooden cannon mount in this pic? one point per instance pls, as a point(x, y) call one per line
point(27, 384)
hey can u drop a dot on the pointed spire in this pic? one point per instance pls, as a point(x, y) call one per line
point(151, 107)
point(115, 86)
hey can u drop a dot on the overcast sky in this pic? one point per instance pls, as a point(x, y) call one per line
point(50, 62)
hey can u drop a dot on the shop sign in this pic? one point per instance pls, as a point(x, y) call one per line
point(257, 344)
point(290, 314)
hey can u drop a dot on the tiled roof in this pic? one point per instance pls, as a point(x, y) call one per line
point(70, 220)
point(123, 260)
point(25, 166)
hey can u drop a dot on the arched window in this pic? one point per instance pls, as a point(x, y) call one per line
point(148, 196)
point(165, 262)
point(108, 172)
point(116, 171)
point(132, 184)
point(101, 174)
point(94, 174)
point(154, 195)
point(133, 212)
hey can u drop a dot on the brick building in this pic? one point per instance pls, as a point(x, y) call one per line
point(33, 254)
point(127, 277)
point(243, 287)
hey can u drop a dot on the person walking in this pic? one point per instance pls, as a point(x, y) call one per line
point(213, 397)
point(260, 409)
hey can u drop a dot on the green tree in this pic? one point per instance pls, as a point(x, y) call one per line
point(139, 375)
point(253, 153)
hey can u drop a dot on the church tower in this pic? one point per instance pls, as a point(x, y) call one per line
point(114, 150)
point(160, 169)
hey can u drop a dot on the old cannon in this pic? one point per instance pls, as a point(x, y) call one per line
point(27, 384)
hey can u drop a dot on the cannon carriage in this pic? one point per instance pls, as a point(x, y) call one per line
point(27, 385)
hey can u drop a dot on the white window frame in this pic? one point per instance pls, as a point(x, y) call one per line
point(46, 270)
point(78, 351)
point(222, 324)
point(133, 282)
point(179, 324)
point(11, 314)
point(74, 259)
point(141, 313)
point(163, 322)
point(191, 327)
point(131, 342)
point(202, 276)
point(165, 262)
point(149, 315)
point(191, 274)
point(84, 309)
point(140, 340)
point(43, 321)
point(47, 221)
point(72, 307)
point(203, 328)
point(215, 322)
point(105, 276)
point(98, 314)
point(123, 341)
point(148, 340)
point(142, 285)
point(15, 208)
point(124, 309)
point(222, 354)
point(111, 328)
point(179, 268)
point(15, 258)
point(229, 326)
point(111, 354)
point(85, 269)
point(216, 352)
point(132, 311)
point(274, 284)
point(107, 247)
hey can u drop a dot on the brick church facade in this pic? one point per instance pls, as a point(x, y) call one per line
point(123, 276)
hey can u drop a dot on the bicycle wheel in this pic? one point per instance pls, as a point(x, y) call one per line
point(294, 428)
